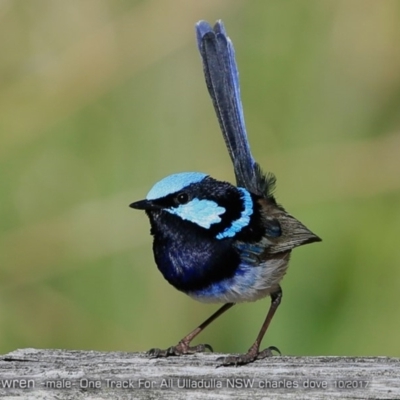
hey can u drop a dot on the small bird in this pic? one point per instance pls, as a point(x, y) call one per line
point(218, 242)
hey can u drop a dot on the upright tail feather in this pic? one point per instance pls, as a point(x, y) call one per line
point(222, 81)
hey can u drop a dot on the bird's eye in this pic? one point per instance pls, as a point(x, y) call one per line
point(182, 198)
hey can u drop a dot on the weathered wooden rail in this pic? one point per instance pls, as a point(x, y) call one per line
point(68, 374)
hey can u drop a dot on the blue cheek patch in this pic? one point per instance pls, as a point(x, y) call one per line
point(201, 212)
point(243, 220)
point(174, 183)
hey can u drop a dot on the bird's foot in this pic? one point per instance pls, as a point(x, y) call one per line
point(252, 355)
point(180, 349)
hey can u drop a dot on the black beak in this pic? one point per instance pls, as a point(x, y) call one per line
point(144, 205)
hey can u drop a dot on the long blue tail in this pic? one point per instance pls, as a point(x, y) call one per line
point(222, 79)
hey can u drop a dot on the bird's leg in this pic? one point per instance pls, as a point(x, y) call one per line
point(183, 347)
point(254, 352)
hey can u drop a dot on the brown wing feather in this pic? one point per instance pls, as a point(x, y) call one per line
point(294, 233)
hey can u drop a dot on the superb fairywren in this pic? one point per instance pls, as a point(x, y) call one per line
point(214, 241)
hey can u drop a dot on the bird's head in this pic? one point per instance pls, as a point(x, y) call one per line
point(193, 197)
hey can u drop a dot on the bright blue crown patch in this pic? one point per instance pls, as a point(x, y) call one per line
point(174, 183)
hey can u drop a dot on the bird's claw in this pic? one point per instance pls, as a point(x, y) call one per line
point(179, 350)
point(249, 357)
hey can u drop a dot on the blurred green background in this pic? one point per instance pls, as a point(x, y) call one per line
point(100, 99)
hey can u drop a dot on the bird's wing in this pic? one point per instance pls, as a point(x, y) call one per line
point(222, 81)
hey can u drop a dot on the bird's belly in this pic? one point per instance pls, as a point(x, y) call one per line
point(249, 283)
